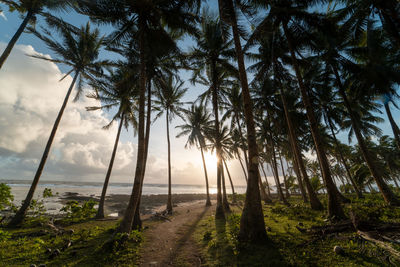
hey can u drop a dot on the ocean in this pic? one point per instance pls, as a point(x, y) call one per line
point(20, 188)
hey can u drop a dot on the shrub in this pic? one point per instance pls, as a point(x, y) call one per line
point(77, 213)
point(6, 197)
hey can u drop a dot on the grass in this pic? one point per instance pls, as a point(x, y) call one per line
point(88, 248)
point(287, 246)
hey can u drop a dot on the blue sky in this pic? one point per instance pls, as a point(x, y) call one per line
point(17, 163)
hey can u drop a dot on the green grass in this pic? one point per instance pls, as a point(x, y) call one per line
point(87, 247)
point(287, 246)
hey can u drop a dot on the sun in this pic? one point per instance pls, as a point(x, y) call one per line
point(210, 159)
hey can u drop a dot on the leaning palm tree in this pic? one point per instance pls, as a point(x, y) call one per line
point(78, 50)
point(31, 8)
point(197, 122)
point(169, 101)
point(115, 91)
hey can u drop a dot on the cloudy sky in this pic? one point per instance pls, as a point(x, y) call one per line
point(30, 97)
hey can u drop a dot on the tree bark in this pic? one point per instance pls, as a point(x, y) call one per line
point(395, 128)
point(15, 38)
point(246, 159)
point(208, 202)
point(20, 215)
point(137, 222)
point(127, 222)
point(266, 180)
point(314, 201)
point(230, 180)
point(169, 201)
point(334, 207)
point(100, 210)
point(219, 212)
point(224, 195)
point(284, 177)
point(389, 197)
point(241, 164)
point(252, 225)
point(353, 183)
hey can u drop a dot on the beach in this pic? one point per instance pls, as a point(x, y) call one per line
point(154, 197)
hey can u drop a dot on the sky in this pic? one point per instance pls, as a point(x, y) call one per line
point(30, 97)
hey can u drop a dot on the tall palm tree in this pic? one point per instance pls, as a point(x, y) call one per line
point(197, 122)
point(148, 21)
point(169, 101)
point(31, 8)
point(285, 17)
point(209, 57)
point(252, 225)
point(115, 91)
point(80, 51)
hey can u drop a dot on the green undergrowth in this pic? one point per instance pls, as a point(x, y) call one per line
point(90, 243)
point(286, 245)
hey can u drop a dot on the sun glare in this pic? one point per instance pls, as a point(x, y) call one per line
point(211, 160)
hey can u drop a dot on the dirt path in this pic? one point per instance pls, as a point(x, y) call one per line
point(170, 243)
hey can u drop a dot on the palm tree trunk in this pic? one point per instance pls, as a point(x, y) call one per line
point(15, 38)
point(266, 180)
point(230, 180)
point(395, 128)
point(100, 210)
point(224, 196)
point(299, 180)
point(126, 223)
point(353, 183)
point(169, 202)
point(252, 225)
point(246, 160)
point(276, 175)
point(314, 201)
point(137, 222)
point(208, 202)
point(334, 207)
point(241, 164)
point(266, 198)
point(219, 212)
point(20, 215)
point(284, 177)
point(388, 195)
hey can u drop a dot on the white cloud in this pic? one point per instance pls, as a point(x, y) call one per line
point(3, 16)
point(30, 98)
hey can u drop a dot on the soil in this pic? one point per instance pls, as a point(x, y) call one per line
point(171, 243)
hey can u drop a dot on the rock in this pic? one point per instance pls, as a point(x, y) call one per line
point(338, 250)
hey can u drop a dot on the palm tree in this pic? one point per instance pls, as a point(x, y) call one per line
point(210, 57)
point(252, 225)
point(147, 20)
point(114, 91)
point(286, 17)
point(169, 101)
point(78, 50)
point(31, 8)
point(197, 122)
